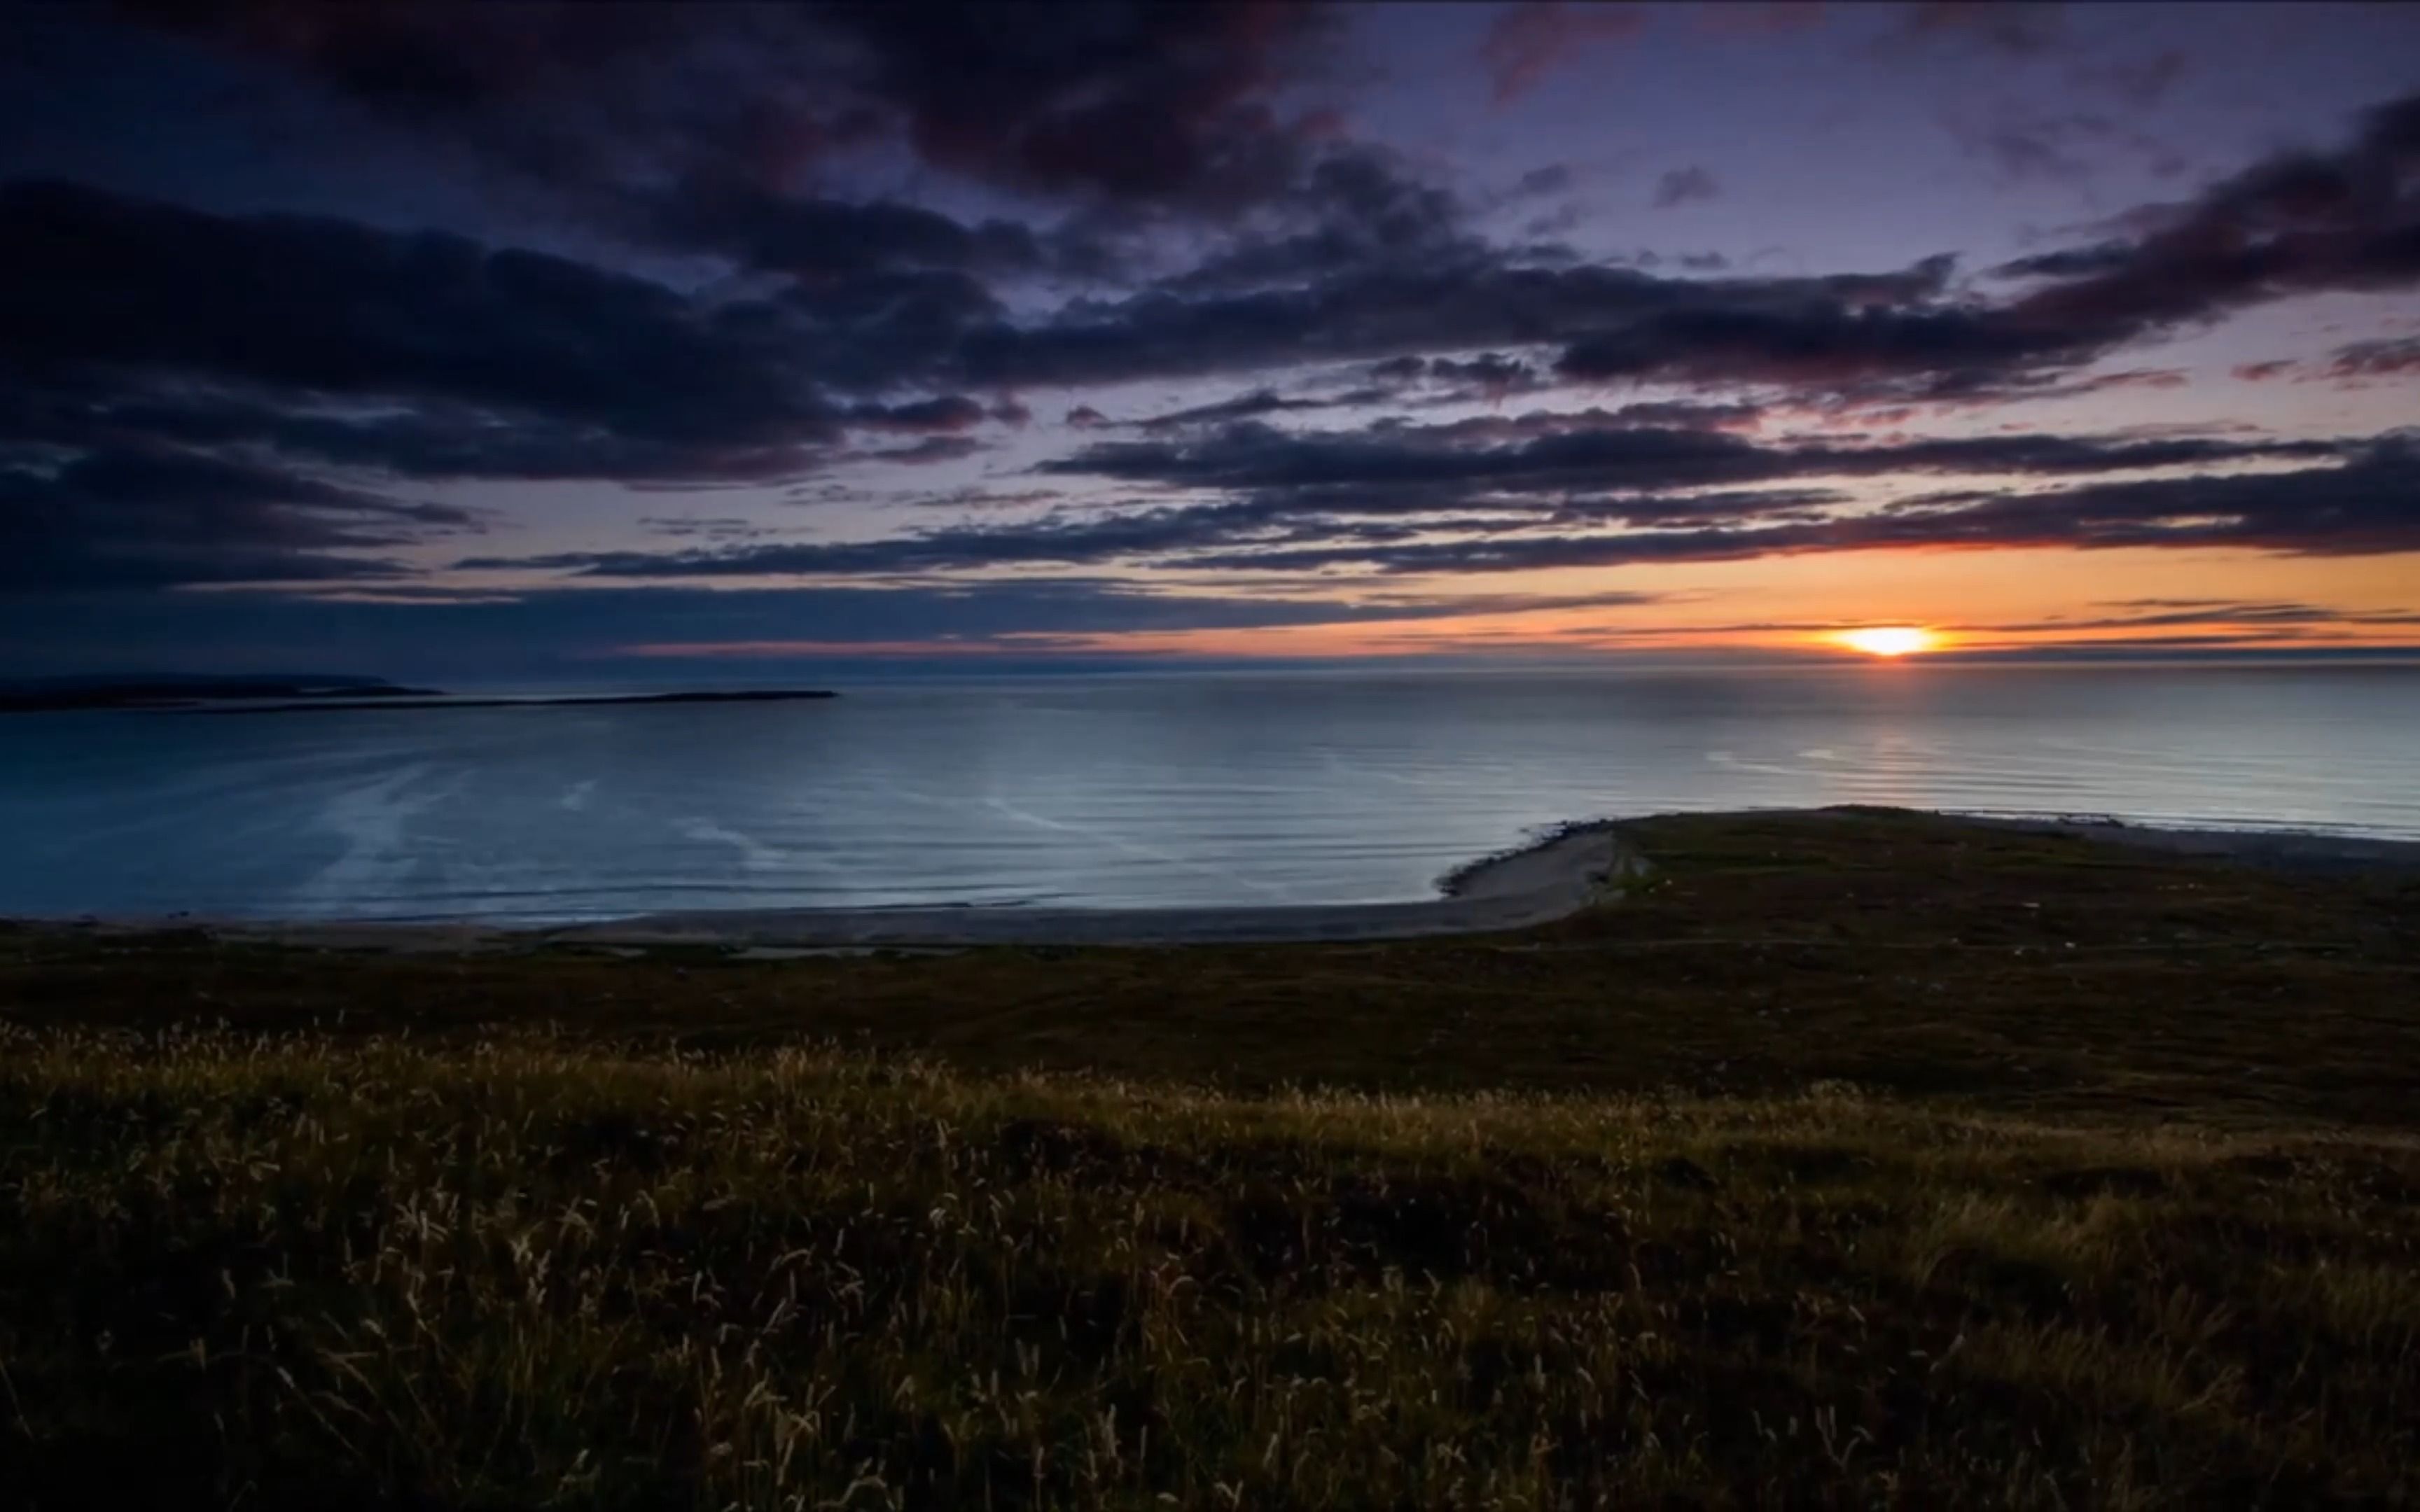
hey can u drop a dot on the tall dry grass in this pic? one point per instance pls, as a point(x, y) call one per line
point(293, 1271)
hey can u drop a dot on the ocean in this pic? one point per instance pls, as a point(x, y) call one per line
point(1128, 791)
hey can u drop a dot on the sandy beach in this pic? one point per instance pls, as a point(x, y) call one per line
point(1532, 885)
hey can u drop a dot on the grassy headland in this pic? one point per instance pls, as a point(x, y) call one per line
point(1847, 1160)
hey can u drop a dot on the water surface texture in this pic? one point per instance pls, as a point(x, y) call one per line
point(1202, 789)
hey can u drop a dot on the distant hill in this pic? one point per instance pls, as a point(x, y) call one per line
point(774, 695)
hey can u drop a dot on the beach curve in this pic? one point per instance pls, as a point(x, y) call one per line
point(1555, 876)
point(1535, 884)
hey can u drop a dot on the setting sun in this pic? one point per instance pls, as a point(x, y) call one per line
point(1888, 640)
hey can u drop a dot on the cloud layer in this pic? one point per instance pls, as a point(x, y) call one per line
point(877, 240)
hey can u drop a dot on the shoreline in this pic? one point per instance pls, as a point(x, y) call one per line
point(1552, 876)
point(1549, 878)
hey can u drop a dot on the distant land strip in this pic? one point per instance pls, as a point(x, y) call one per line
point(170, 692)
point(327, 705)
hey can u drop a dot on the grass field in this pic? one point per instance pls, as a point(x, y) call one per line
point(1849, 1160)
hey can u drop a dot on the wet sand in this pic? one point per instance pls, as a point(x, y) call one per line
point(1531, 885)
point(1556, 876)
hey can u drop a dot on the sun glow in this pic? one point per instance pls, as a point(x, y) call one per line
point(1888, 640)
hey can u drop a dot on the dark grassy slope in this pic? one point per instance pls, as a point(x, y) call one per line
point(594, 1267)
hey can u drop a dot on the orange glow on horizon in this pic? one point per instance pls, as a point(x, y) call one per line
point(1888, 640)
point(1791, 608)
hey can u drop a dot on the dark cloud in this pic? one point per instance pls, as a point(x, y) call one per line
point(1490, 375)
point(877, 331)
point(564, 93)
point(1381, 499)
point(1870, 336)
point(1134, 100)
point(722, 529)
point(2154, 613)
point(943, 412)
point(269, 346)
point(1940, 354)
point(434, 356)
point(93, 286)
point(1061, 537)
point(129, 519)
point(1115, 97)
point(433, 440)
point(1057, 538)
point(1242, 407)
point(127, 324)
point(2368, 504)
point(2294, 224)
point(1456, 305)
point(930, 449)
point(1488, 378)
point(2353, 365)
point(2376, 359)
point(1252, 456)
point(1598, 451)
point(987, 499)
point(827, 239)
point(1554, 178)
point(1678, 415)
point(695, 125)
point(231, 351)
point(719, 128)
point(2071, 262)
point(1981, 388)
point(1684, 186)
point(1349, 208)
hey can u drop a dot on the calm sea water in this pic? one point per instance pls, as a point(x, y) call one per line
point(1129, 791)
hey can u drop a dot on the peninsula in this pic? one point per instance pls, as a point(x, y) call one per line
point(584, 700)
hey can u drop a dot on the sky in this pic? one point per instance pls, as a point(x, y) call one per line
point(536, 341)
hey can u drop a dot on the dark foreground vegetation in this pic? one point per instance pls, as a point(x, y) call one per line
point(1850, 1161)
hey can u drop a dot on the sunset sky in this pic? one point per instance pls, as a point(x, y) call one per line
point(535, 341)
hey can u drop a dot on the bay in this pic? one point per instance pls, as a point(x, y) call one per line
point(1130, 791)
